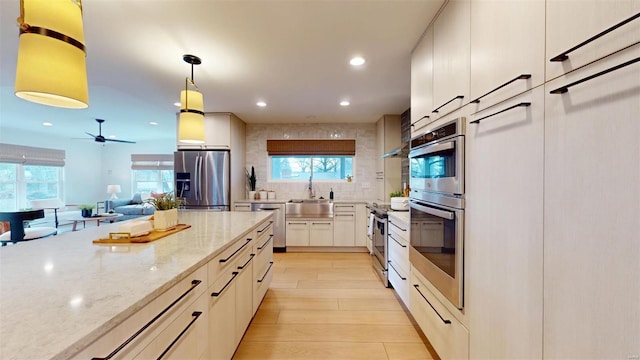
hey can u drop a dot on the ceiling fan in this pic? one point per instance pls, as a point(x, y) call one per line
point(101, 139)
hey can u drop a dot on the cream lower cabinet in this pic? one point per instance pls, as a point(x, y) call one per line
point(344, 225)
point(504, 227)
point(297, 233)
point(448, 336)
point(318, 232)
point(222, 317)
point(399, 267)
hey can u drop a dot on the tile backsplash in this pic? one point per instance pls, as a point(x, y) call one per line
point(364, 162)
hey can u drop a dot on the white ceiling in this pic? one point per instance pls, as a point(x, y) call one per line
point(294, 55)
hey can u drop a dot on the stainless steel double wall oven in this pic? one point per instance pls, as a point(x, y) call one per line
point(437, 208)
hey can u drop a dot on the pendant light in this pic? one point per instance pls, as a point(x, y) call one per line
point(191, 121)
point(51, 67)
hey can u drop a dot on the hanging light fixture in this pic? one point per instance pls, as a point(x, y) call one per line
point(52, 68)
point(191, 122)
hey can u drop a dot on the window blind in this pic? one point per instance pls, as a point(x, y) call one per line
point(311, 147)
point(29, 155)
point(152, 161)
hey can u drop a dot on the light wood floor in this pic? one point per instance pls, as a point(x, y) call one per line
point(330, 306)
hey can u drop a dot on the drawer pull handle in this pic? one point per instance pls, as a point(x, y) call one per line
point(344, 206)
point(247, 263)
point(564, 89)
point(434, 309)
point(443, 105)
point(344, 215)
point(296, 223)
point(265, 274)
point(399, 243)
point(218, 293)
point(194, 283)
point(422, 118)
point(320, 223)
point(522, 104)
point(394, 269)
point(196, 315)
point(519, 77)
point(235, 252)
point(564, 56)
point(270, 222)
point(394, 224)
point(266, 242)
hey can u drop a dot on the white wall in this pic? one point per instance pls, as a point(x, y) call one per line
point(90, 166)
point(365, 159)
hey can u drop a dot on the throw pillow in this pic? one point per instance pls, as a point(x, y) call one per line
point(137, 199)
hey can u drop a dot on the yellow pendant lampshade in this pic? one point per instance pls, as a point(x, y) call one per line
point(51, 68)
point(191, 120)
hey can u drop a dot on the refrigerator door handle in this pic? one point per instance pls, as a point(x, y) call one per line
point(196, 179)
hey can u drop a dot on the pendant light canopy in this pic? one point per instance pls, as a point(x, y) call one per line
point(191, 121)
point(51, 68)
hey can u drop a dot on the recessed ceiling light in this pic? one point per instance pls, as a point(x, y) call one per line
point(261, 103)
point(176, 103)
point(356, 61)
point(153, 123)
point(46, 123)
point(344, 103)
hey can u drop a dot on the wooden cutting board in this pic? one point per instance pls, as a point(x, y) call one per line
point(125, 237)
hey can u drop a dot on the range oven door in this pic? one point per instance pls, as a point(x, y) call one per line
point(438, 166)
point(437, 247)
point(379, 253)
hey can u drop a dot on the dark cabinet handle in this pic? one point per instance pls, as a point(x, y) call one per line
point(196, 315)
point(519, 77)
point(265, 274)
point(394, 269)
point(247, 263)
point(270, 222)
point(336, 215)
point(266, 242)
point(564, 89)
point(522, 104)
point(417, 121)
point(218, 293)
point(235, 252)
point(565, 55)
point(399, 243)
point(194, 283)
point(441, 106)
point(434, 309)
point(392, 223)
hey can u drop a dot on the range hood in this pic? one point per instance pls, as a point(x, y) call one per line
point(401, 152)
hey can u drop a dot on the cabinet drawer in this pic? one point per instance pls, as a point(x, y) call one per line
point(448, 336)
point(192, 344)
point(399, 229)
point(221, 263)
point(400, 281)
point(261, 285)
point(399, 253)
point(242, 207)
point(344, 208)
point(187, 291)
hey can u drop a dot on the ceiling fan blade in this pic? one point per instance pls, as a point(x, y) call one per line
point(91, 135)
point(121, 141)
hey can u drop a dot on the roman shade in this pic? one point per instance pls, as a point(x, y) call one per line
point(152, 161)
point(29, 155)
point(311, 147)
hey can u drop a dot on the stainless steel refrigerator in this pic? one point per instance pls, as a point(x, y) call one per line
point(202, 179)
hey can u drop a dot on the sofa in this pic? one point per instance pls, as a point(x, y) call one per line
point(129, 208)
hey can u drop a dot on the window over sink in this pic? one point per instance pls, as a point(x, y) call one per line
point(301, 167)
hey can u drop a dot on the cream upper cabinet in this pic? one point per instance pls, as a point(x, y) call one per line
point(592, 213)
point(388, 169)
point(570, 23)
point(507, 41)
point(451, 57)
point(504, 227)
point(422, 81)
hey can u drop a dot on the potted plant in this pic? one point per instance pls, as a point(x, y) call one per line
point(251, 181)
point(166, 215)
point(86, 210)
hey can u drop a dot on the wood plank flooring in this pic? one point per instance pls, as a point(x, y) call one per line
point(330, 306)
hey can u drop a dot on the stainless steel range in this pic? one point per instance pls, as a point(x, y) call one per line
point(379, 256)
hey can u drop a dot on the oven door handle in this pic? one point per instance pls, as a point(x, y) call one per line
point(428, 149)
point(435, 212)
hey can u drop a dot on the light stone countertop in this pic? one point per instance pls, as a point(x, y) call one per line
point(282, 201)
point(59, 294)
point(400, 215)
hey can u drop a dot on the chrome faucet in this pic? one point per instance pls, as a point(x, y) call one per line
point(312, 194)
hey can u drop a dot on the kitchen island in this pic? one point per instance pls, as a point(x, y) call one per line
point(60, 294)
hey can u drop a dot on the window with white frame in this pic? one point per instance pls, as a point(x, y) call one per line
point(299, 160)
point(152, 173)
point(29, 173)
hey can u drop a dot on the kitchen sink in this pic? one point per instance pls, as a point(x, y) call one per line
point(309, 208)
